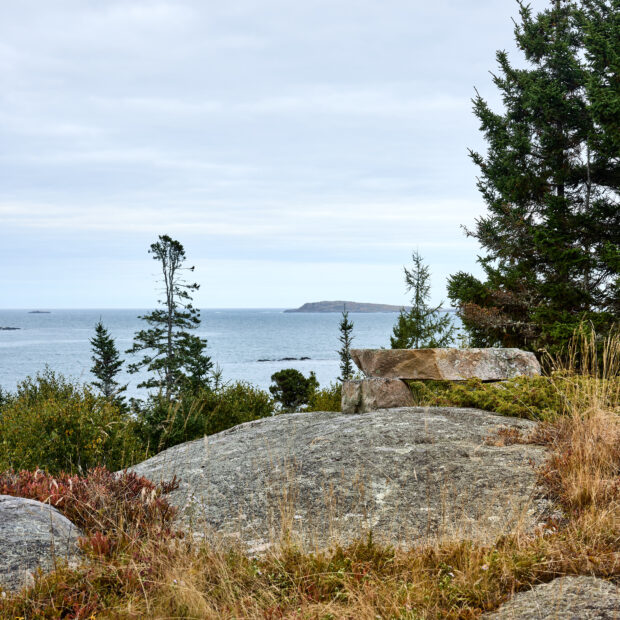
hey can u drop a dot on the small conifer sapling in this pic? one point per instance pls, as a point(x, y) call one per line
point(422, 326)
point(346, 338)
point(106, 363)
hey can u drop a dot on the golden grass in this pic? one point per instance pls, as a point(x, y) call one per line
point(185, 578)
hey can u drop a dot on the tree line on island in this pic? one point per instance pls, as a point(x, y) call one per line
point(550, 255)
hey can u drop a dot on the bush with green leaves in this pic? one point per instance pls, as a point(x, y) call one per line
point(326, 399)
point(291, 389)
point(56, 425)
point(192, 416)
point(535, 398)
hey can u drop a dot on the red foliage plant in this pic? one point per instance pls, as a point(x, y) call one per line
point(111, 509)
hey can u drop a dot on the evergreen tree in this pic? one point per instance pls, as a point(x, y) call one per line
point(346, 338)
point(106, 364)
point(550, 179)
point(175, 356)
point(291, 389)
point(421, 326)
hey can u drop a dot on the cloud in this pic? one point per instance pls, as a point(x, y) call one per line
point(271, 131)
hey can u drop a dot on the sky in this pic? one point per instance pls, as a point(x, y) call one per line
point(300, 151)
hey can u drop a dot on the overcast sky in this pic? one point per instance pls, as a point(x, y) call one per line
point(300, 150)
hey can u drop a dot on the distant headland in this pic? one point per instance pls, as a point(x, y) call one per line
point(351, 306)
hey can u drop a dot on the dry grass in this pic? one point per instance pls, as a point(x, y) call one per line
point(181, 578)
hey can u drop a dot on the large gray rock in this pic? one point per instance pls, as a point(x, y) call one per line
point(376, 393)
point(568, 598)
point(404, 473)
point(446, 364)
point(32, 535)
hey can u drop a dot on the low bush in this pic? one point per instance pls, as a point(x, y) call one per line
point(535, 398)
point(326, 399)
point(53, 424)
point(119, 509)
point(193, 416)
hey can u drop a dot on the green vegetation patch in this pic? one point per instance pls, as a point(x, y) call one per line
point(534, 398)
point(326, 399)
point(53, 424)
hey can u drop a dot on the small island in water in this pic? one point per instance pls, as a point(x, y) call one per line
point(351, 306)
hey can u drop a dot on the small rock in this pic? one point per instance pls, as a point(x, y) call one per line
point(568, 598)
point(32, 535)
point(375, 393)
point(446, 364)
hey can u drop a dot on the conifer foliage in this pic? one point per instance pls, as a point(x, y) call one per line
point(550, 179)
point(106, 363)
point(422, 326)
point(346, 339)
point(175, 357)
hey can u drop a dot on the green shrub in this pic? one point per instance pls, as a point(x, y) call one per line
point(166, 424)
point(535, 398)
point(56, 425)
point(326, 399)
point(291, 389)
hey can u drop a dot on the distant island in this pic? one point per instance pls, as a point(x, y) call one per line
point(351, 306)
point(39, 312)
point(9, 329)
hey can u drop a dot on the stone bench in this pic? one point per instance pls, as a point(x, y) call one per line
point(388, 369)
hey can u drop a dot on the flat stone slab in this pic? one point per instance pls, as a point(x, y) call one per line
point(568, 598)
point(32, 535)
point(446, 364)
point(376, 393)
point(404, 473)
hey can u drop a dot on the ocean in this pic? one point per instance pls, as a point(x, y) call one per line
point(237, 341)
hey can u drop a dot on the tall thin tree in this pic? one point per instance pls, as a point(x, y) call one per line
point(346, 338)
point(175, 357)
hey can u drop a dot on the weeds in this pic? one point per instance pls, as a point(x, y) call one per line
point(114, 511)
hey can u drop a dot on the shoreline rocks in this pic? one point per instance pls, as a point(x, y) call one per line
point(285, 359)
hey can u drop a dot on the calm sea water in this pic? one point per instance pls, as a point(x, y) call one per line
point(237, 340)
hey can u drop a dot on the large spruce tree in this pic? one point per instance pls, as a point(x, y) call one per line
point(550, 179)
point(175, 358)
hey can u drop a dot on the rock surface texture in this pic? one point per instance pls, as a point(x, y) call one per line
point(404, 473)
point(446, 364)
point(565, 598)
point(32, 535)
point(376, 393)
